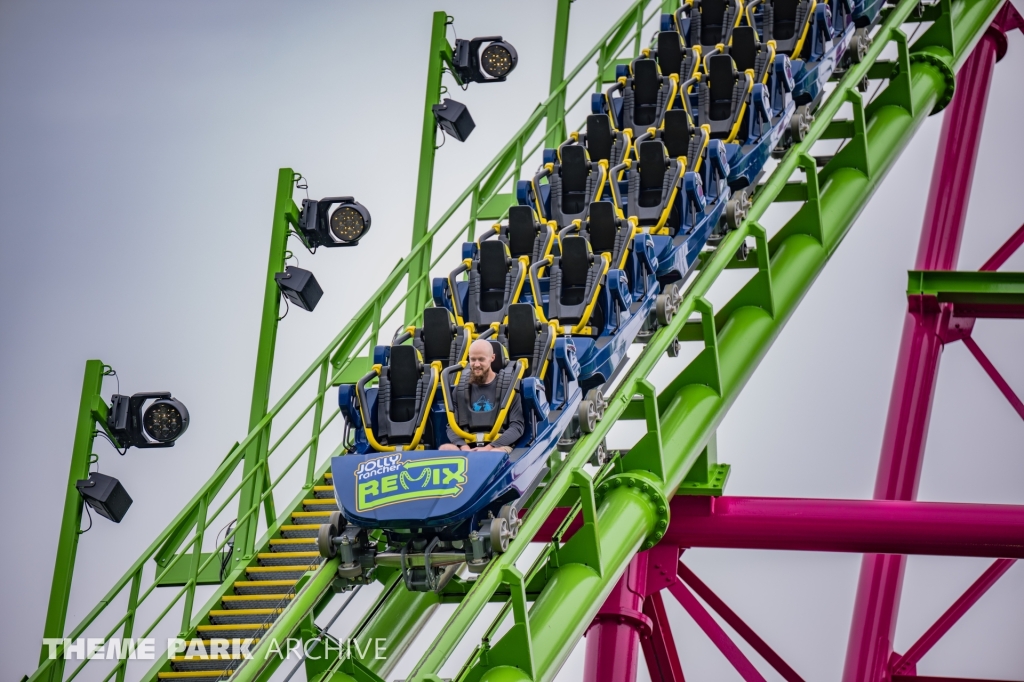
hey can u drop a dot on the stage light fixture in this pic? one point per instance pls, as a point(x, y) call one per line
point(105, 495)
point(299, 287)
point(454, 119)
point(334, 221)
point(161, 423)
point(492, 64)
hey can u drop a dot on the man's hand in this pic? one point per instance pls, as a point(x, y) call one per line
point(466, 447)
point(450, 446)
point(485, 447)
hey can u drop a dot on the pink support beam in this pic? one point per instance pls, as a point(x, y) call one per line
point(715, 632)
point(929, 678)
point(613, 638)
point(660, 648)
point(862, 526)
point(899, 468)
point(994, 374)
point(737, 624)
point(1005, 251)
point(952, 615)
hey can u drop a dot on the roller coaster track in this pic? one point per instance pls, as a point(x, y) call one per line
point(625, 505)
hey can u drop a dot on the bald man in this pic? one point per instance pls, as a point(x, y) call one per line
point(482, 398)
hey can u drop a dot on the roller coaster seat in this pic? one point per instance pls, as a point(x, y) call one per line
point(609, 234)
point(574, 284)
point(674, 57)
point(527, 339)
point(653, 185)
point(575, 182)
point(495, 282)
point(750, 54)
point(711, 21)
point(723, 93)
point(405, 390)
point(440, 338)
point(788, 23)
point(646, 95)
point(524, 235)
point(603, 142)
point(479, 426)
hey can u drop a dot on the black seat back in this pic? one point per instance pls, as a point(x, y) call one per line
point(722, 77)
point(652, 163)
point(599, 137)
point(670, 53)
point(744, 48)
point(646, 84)
point(713, 23)
point(404, 372)
point(677, 135)
point(608, 233)
point(784, 22)
point(493, 272)
point(440, 339)
point(574, 170)
point(575, 263)
point(522, 231)
point(784, 19)
point(527, 339)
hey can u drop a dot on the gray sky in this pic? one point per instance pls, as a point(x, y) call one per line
point(139, 148)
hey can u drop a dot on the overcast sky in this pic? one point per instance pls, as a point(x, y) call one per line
point(139, 148)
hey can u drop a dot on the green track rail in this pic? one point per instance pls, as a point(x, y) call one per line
point(625, 506)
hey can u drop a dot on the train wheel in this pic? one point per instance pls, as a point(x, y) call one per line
point(666, 305)
point(325, 540)
point(859, 44)
point(736, 210)
point(586, 413)
point(595, 396)
point(337, 519)
point(510, 512)
point(500, 535)
point(800, 124)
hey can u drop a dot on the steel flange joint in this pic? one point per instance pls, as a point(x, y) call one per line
point(645, 487)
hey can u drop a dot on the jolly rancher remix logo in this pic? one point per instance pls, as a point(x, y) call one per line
point(386, 480)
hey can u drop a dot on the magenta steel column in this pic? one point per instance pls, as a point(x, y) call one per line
point(906, 428)
point(613, 640)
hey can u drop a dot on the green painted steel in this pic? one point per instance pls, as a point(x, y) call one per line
point(419, 266)
point(556, 132)
point(627, 507)
point(989, 288)
point(286, 213)
point(71, 521)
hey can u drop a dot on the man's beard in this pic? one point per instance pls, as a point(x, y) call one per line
point(478, 379)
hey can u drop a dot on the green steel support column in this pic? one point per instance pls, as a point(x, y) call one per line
point(556, 131)
point(440, 52)
point(398, 620)
point(71, 521)
point(285, 211)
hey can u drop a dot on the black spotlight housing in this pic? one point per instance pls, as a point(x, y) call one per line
point(299, 287)
point(158, 426)
point(454, 119)
point(105, 495)
point(334, 221)
point(484, 60)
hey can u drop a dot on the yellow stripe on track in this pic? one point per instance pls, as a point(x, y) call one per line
point(263, 583)
point(244, 612)
point(287, 555)
point(240, 626)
